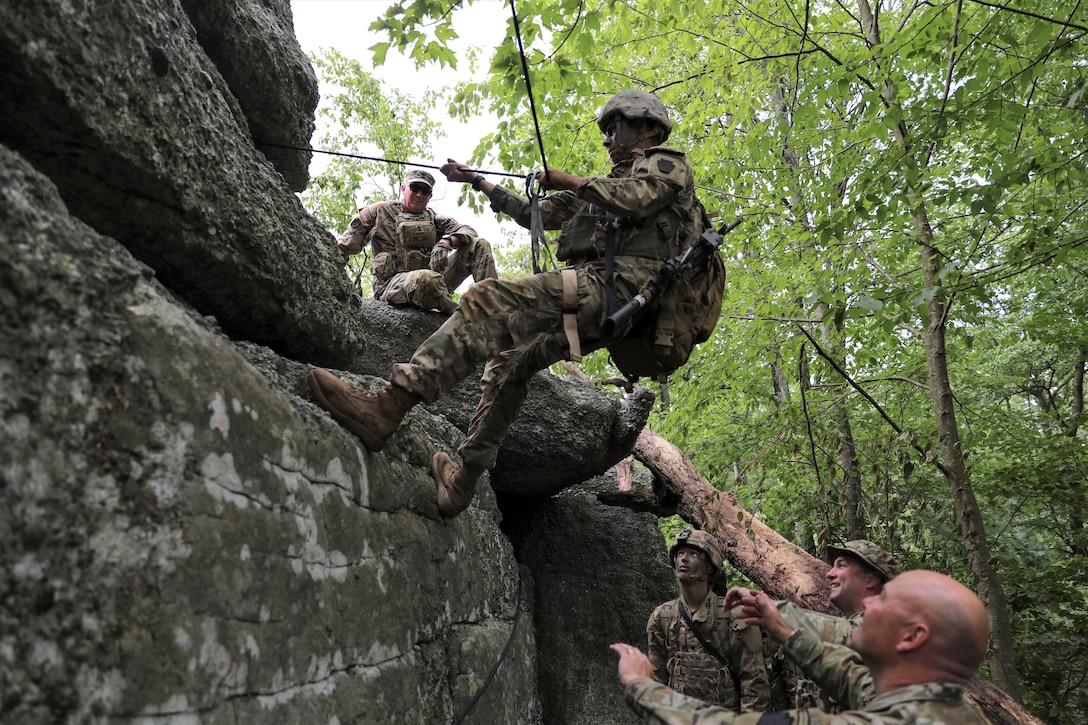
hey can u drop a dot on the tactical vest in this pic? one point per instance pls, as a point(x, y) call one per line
point(585, 235)
point(417, 234)
point(698, 674)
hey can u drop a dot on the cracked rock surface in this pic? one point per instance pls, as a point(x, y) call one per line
point(186, 537)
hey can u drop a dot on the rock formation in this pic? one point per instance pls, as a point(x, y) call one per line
point(184, 535)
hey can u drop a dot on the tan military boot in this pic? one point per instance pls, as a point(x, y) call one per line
point(373, 415)
point(456, 486)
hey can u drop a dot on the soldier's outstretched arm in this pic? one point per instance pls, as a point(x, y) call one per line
point(761, 610)
point(560, 180)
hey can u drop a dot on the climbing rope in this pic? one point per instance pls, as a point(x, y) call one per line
point(529, 88)
point(494, 670)
point(378, 158)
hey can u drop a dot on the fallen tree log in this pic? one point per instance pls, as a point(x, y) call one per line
point(780, 568)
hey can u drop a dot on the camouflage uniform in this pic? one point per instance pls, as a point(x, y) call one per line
point(828, 628)
point(790, 688)
point(412, 263)
point(516, 325)
point(681, 662)
point(838, 669)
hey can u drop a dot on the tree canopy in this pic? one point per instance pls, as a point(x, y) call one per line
point(902, 345)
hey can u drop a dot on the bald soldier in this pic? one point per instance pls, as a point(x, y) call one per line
point(919, 642)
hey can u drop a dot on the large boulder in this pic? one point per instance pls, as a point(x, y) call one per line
point(184, 538)
point(598, 572)
point(145, 141)
point(245, 40)
point(186, 535)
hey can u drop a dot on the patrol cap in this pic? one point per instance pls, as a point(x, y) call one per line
point(870, 554)
point(702, 541)
point(419, 176)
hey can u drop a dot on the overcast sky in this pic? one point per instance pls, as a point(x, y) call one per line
point(342, 24)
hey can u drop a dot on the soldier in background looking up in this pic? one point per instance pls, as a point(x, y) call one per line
point(697, 647)
point(859, 569)
point(920, 641)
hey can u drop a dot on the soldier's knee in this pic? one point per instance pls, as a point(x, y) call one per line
point(430, 283)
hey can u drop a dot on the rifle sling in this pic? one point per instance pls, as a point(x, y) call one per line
point(570, 312)
point(710, 649)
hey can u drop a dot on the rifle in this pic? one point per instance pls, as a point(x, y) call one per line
point(694, 256)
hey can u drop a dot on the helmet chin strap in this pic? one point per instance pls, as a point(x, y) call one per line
point(626, 137)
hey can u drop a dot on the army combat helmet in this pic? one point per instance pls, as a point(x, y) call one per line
point(703, 542)
point(870, 554)
point(635, 106)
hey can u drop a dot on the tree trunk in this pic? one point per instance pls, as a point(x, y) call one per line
point(1076, 518)
point(851, 499)
point(781, 569)
point(968, 516)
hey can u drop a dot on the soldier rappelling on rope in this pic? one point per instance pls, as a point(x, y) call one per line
point(616, 232)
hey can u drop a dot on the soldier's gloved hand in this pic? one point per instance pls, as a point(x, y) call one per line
point(440, 255)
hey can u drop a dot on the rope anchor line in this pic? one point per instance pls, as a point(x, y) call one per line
point(379, 158)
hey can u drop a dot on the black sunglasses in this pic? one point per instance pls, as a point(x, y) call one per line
point(420, 189)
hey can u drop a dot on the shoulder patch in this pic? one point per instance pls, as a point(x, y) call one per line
point(666, 163)
point(370, 213)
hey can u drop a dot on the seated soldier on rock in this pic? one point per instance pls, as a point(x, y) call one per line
point(420, 256)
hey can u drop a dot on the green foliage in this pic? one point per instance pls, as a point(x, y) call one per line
point(360, 117)
point(836, 147)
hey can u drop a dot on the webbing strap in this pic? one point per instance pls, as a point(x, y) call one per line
point(570, 312)
point(536, 221)
point(609, 266)
point(665, 327)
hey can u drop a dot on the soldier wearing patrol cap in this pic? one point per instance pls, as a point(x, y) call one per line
point(859, 569)
point(616, 232)
point(420, 256)
point(697, 647)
